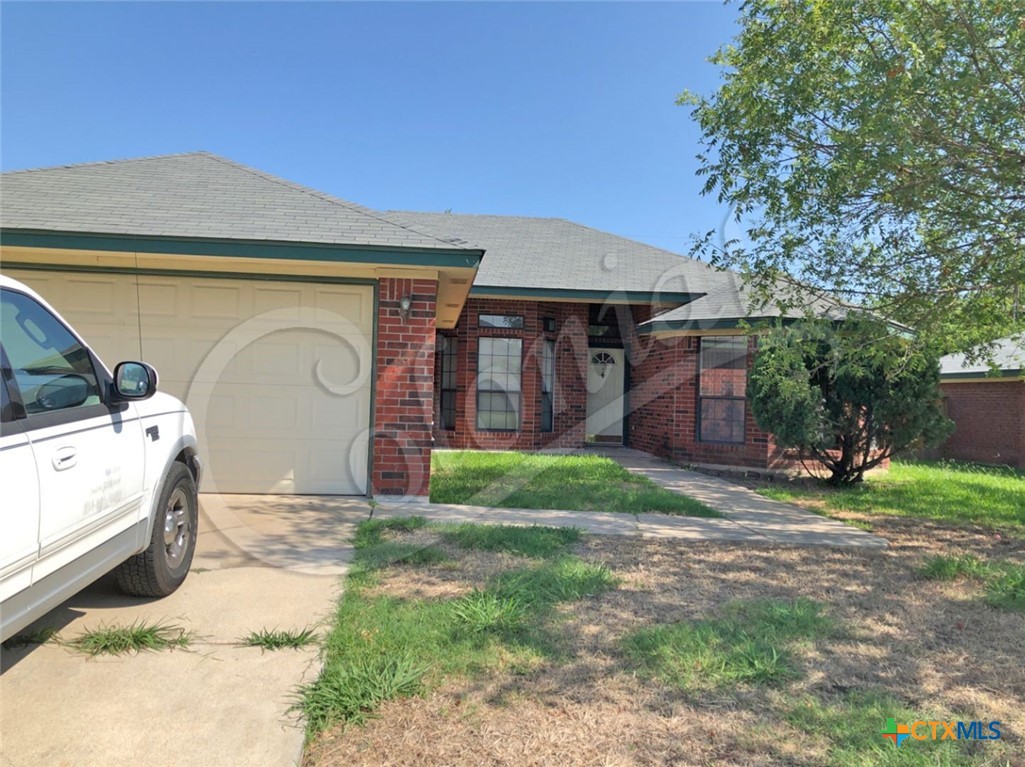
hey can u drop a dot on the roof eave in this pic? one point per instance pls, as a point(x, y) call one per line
point(573, 294)
point(207, 246)
point(1005, 374)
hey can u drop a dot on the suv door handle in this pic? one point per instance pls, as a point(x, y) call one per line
point(65, 457)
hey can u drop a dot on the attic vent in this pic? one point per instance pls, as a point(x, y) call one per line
point(452, 306)
point(459, 281)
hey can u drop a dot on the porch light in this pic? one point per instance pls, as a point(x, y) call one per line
point(404, 304)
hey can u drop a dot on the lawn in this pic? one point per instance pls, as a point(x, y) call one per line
point(465, 645)
point(546, 481)
point(948, 492)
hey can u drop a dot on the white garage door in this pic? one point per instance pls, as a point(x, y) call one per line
point(277, 374)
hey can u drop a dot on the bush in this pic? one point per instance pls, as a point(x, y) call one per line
point(847, 396)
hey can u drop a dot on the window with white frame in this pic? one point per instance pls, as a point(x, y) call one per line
point(548, 386)
point(448, 349)
point(499, 373)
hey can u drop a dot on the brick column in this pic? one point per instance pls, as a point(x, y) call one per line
point(405, 388)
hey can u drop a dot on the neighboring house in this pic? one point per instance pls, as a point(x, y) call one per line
point(324, 348)
point(987, 405)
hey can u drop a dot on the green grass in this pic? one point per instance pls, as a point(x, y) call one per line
point(943, 567)
point(546, 481)
point(482, 612)
point(398, 553)
point(750, 643)
point(1004, 581)
point(350, 690)
point(991, 496)
point(566, 579)
point(135, 637)
point(373, 551)
point(372, 531)
point(850, 728)
point(1006, 589)
point(276, 639)
point(382, 646)
point(533, 541)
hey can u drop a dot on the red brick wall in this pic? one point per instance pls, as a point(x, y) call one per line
point(664, 407)
point(661, 401)
point(990, 422)
point(405, 381)
point(570, 402)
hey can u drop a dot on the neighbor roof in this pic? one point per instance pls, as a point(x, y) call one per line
point(194, 196)
point(538, 256)
point(1008, 360)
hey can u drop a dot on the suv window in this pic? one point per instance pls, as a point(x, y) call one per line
point(52, 369)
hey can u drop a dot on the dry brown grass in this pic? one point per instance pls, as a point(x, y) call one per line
point(931, 645)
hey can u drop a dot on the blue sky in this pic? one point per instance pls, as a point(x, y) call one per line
point(543, 109)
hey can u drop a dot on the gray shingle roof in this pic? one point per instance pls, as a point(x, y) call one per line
point(196, 195)
point(555, 254)
point(729, 301)
point(1008, 358)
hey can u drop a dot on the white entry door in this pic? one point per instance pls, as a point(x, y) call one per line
point(606, 376)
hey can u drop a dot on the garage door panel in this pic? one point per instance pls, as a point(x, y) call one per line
point(262, 466)
point(275, 299)
point(160, 300)
point(267, 411)
point(266, 466)
point(339, 415)
point(290, 405)
point(340, 363)
point(220, 302)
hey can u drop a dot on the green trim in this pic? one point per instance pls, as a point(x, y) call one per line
point(733, 323)
point(373, 396)
point(983, 375)
point(554, 294)
point(259, 276)
point(655, 326)
point(291, 251)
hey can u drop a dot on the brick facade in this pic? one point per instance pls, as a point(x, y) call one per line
point(664, 404)
point(990, 421)
point(570, 400)
point(661, 398)
point(405, 380)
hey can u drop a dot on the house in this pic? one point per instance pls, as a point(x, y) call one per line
point(325, 348)
point(987, 405)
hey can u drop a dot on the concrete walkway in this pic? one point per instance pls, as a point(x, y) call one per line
point(748, 516)
point(773, 520)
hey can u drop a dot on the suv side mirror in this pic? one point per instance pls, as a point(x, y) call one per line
point(134, 380)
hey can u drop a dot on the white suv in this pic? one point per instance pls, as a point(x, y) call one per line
point(97, 470)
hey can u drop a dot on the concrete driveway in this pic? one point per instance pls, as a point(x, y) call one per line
point(261, 562)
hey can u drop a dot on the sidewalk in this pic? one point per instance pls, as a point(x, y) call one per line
point(777, 521)
point(748, 516)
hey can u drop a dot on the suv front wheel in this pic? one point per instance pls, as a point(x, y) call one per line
point(162, 567)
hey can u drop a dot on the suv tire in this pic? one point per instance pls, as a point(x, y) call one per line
point(162, 567)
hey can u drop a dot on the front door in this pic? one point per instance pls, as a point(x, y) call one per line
point(606, 376)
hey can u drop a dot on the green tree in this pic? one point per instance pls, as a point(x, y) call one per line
point(848, 396)
point(875, 149)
